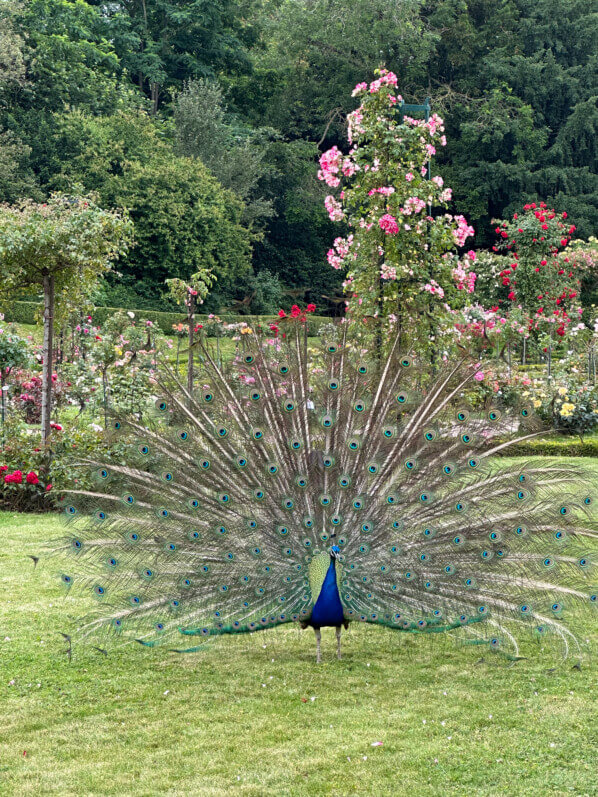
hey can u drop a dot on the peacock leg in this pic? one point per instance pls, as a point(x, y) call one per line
point(318, 640)
point(338, 642)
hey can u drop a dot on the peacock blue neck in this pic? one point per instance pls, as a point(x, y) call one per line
point(328, 609)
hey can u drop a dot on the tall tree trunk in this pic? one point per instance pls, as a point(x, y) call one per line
point(155, 92)
point(47, 359)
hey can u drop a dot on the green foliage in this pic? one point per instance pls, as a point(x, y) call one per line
point(183, 218)
point(317, 50)
point(68, 238)
point(553, 448)
point(257, 88)
point(15, 352)
point(234, 153)
point(266, 293)
point(23, 452)
point(166, 42)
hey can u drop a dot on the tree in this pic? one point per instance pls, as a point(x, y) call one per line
point(61, 246)
point(317, 50)
point(166, 42)
point(190, 293)
point(234, 154)
point(182, 215)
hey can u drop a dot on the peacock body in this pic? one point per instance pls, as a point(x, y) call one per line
point(324, 486)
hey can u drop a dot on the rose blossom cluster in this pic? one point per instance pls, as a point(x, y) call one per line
point(434, 288)
point(413, 205)
point(388, 272)
point(330, 164)
point(341, 249)
point(465, 278)
point(388, 223)
point(16, 477)
point(385, 190)
point(463, 231)
point(334, 208)
point(386, 79)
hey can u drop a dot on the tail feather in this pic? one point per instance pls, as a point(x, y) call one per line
point(206, 515)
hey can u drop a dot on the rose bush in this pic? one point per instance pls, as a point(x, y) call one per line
point(399, 257)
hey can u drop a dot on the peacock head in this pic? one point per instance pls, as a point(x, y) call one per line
point(334, 551)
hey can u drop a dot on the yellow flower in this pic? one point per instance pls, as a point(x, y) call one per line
point(562, 391)
point(247, 331)
point(567, 409)
point(537, 403)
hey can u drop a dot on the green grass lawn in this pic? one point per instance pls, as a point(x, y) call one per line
point(254, 715)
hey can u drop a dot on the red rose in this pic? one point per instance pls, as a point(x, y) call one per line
point(282, 314)
point(565, 215)
point(48, 487)
point(3, 468)
point(563, 242)
point(311, 308)
point(31, 478)
point(512, 295)
point(545, 226)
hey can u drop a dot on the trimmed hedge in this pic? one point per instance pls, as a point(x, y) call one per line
point(553, 448)
point(28, 313)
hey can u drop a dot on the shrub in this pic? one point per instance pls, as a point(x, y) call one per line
point(552, 448)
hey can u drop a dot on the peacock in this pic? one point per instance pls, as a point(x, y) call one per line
point(325, 484)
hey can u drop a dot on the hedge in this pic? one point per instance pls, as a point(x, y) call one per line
point(28, 313)
point(553, 448)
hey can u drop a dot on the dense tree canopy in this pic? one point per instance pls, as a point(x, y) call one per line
point(206, 119)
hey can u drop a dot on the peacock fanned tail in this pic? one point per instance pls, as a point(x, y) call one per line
point(217, 511)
